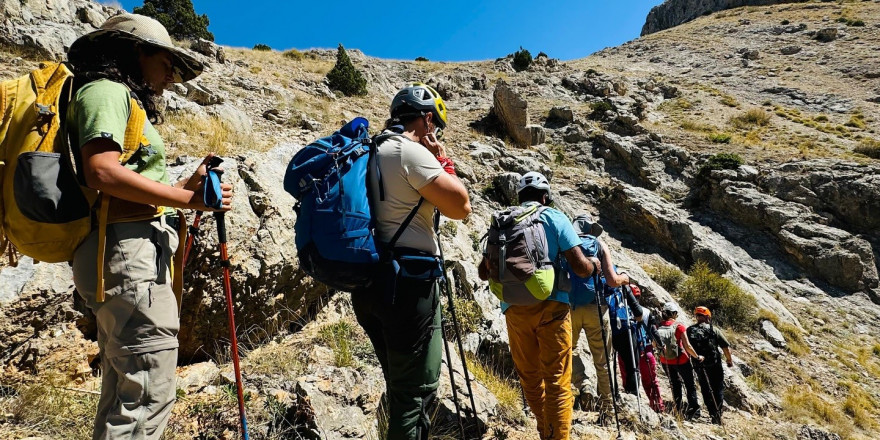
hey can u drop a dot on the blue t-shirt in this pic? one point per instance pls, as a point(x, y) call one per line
point(561, 237)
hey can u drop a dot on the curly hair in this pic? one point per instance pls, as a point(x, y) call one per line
point(116, 59)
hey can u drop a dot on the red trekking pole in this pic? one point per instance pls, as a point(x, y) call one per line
point(193, 231)
point(214, 199)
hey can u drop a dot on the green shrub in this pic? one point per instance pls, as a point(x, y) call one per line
point(754, 117)
point(344, 77)
point(723, 161)
point(422, 59)
point(719, 138)
point(179, 18)
point(730, 305)
point(869, 147)
point(599, 109)
point(339, 337)
point(262, 47)
point(294, 55)
point(667, 276)
point(522, 59)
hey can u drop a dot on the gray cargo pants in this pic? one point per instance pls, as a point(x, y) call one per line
point(137, 327)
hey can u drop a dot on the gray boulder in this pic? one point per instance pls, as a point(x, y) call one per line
point(209, 49)
point(513, 112)
point(772, 334)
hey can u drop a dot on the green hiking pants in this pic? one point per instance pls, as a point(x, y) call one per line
point(407, 340)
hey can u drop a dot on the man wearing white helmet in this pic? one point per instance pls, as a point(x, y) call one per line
point(540, 333)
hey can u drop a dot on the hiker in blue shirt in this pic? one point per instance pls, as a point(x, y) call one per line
point(540, 330)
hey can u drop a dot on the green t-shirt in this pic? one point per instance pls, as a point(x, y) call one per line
point(100, 109)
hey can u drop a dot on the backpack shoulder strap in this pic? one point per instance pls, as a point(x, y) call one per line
point(134, 137)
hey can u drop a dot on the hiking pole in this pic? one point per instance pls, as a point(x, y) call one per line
point(632, 355)
point(607, 355)
point(451, 374)
point(714, 402)
point(193, 232)
point(214, 199)
point(455, 327)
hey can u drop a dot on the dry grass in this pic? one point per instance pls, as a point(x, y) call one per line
point(276, 359)
point(691, 125)
point(756, 117)
point(868, 147)
point(803, 405)
point(198, 135)
point(505, 389)
point(50, 410)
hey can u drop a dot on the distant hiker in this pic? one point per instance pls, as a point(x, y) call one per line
point(674, 351)
point(121, 72)
point(706, 339)
point(647, 361)
point(628, 338)
point(584, 314)
point(400, 311)
point(522, 245)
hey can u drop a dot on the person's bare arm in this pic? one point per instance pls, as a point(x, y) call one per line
point(581, 265)
point(612, 278)
point(449, 195)
point(103, 172)
point(728, 356)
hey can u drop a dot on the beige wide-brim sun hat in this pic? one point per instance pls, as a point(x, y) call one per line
point(144, 30)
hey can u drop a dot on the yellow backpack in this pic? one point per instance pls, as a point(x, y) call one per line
point(44, 212)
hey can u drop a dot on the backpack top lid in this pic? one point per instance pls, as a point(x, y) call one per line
point(313, 163)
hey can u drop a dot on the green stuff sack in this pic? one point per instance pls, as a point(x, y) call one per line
point(520, 269)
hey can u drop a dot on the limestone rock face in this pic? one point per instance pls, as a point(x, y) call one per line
point(268, 288)
point(672, 13)
point(513, 112)
point(48, 27)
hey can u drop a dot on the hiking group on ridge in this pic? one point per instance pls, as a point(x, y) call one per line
point(368, 210)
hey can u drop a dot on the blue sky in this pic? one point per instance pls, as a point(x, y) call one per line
point(451, 30)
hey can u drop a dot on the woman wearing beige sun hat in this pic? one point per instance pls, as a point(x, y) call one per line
point(121, 71)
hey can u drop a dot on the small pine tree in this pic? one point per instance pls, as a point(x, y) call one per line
point(344, 77)
point(179, 18)
point(522, 59)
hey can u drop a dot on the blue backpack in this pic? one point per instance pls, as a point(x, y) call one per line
point(620, 314)
point(335, 227)
point(583, 290)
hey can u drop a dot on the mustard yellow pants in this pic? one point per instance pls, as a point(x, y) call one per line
point(540, 343)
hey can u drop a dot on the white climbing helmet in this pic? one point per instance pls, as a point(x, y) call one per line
point(533, 179)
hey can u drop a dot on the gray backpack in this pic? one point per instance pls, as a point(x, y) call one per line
point(670, 348)
point(520, 269)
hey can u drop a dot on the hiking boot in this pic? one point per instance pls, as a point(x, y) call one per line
point(692, 413)
point(604, 419)
point(716, 419)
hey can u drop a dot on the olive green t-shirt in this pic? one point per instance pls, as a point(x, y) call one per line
point(100, 109)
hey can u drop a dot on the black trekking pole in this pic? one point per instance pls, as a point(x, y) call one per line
point(712, 393)
point(632, 352)
point(605, 346)
point(451, 374)
point(214, 199)
point(456, 328)
point(191, 238)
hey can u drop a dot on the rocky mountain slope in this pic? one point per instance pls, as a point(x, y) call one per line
point(630, 134)
point(672, 13)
